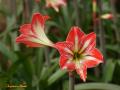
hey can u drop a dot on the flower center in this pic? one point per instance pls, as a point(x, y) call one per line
point(77, 56)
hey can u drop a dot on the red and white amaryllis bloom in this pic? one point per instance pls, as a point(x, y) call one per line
point(33, 34)
point(55, 4)
point(78, 52)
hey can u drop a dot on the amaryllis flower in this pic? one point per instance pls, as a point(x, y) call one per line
point(33, 34)
point(78, 52)
point(107, 16)
point(37, 1)
point(55, 4)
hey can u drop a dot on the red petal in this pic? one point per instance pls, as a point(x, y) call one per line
point(64, 48)
point(70, 66)
point(97, 54)
point(21, 38)
point(25, 29)
point(38, 18)
point(88, 42)
point(66, 64)
point(46, 17)
point(32, 44)
point(82, 71)
point(24, 39)
point(91, 63)
point(75, 32)
point(62, 61)
point(94, 59)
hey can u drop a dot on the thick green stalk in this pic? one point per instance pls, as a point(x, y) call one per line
point(75, 4)
point(26, 12)
point(101, 29)
point(47, 58)
point(115, 20)
point(71, 81)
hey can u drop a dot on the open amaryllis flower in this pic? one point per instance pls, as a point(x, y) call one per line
point(33, 34)
point(55, 4)
point(78, 52)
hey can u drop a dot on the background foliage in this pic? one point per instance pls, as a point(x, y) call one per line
point(38, 67)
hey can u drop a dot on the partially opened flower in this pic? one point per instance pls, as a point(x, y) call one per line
point(33, 34)
point(55, 4)
point(37, 1)
point(107, 16)
point(78, 52)
point(94, 5)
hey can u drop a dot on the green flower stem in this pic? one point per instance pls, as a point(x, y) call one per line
point(26, 10)
point(75, 4)
point(47, 58)
point(115, 20)
point(71, 81)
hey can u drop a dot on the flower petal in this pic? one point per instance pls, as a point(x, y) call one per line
point(65, 63)
point(81, 69)
point(107, 16)
point(97, 54)
point(55, 4)
point(88, 42)
point(25, 39)
point(38, 22)
point(75, 35)
point(32, 44)
point(64, 48)
point(91, 62)
point(25, 29)
point(93, 59)
point(38, 18)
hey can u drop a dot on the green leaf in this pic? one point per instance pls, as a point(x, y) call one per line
point(58, 74)
point(29, 67)
point(113, 48)
point(65, 85)
point(45, 74)
point(13, 68)
point(47, 71)
point(15, 46)
point(97, 86)
point(109, 70)
point(118, 62)
point(7, 53)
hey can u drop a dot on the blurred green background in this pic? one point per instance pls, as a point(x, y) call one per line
point(39, 68)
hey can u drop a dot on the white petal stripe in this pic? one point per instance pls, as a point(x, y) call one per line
point(76, 43)
point(85, 45)
point(90, 58)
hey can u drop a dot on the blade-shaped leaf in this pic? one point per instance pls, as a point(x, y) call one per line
point(7, 53)
point(58, 74)
point(97, 86)
point(108, 70)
